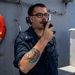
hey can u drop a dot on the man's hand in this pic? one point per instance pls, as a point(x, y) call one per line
point(48, 32)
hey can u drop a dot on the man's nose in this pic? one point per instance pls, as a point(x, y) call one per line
point(44, 18)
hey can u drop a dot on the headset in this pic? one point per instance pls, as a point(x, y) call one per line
point(28, 20)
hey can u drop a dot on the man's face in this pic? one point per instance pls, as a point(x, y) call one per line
point(40, 15)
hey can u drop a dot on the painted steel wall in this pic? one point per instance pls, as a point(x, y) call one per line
point(62, 24)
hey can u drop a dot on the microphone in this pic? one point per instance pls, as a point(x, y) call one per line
point(44, 25)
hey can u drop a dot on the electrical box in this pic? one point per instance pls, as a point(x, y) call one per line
point(72, 46)
point(70, 69)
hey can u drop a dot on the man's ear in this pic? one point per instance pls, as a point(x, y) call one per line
point(31, 19)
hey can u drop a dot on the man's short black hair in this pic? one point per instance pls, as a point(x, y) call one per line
point(31, 8)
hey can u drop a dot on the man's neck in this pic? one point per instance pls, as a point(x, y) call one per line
point(39, 32)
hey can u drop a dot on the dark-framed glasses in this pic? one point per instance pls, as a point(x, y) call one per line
point(40, 15)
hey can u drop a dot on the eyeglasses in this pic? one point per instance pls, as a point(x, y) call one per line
point(40, 15)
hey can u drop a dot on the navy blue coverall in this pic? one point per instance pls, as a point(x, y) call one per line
point(48, 62)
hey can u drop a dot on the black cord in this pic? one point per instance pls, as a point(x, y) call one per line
point(17, 18)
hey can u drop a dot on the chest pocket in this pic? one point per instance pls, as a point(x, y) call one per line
point(31, 42)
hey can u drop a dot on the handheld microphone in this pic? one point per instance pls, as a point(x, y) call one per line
point(44, 25)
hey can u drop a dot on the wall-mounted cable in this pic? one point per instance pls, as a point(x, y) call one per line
point(50, 11)
point(28, 4)
point(17, 17)
point(58, 13)
point(10, 1)
point(25, 4)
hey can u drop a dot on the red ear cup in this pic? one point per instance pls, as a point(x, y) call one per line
point(2, 28)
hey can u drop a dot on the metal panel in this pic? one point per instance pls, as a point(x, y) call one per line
point(72, 46)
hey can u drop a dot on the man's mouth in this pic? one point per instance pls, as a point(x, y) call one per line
point(42, 22)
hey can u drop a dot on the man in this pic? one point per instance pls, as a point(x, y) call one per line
point(35, 49)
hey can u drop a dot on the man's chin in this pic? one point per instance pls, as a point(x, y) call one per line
point(41, 28)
